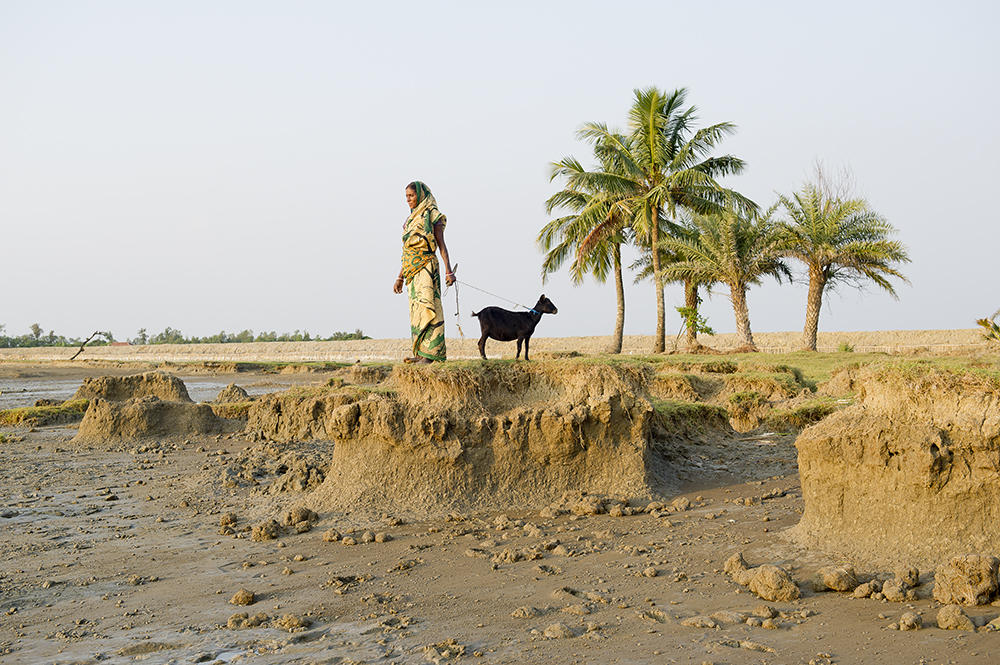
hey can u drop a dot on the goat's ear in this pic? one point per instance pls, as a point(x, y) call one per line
point(541, 297)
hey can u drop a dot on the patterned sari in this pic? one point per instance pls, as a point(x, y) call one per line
point(423, 276)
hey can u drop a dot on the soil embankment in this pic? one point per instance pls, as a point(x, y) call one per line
point(911, 471)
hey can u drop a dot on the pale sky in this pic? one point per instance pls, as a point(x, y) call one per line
point(235, 164)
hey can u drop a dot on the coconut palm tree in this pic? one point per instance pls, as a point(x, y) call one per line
point(735, 247)
point(593, 236)
point(661, 165)
point(840, 241)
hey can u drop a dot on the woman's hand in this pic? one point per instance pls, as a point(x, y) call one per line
point(397, 286)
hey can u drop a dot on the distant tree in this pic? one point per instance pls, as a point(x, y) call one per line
point(346, 336)
point(733, 247)
point(840, 241)
point(141, 337)
point(244, 337)
point(36, 331)
point(168, 336)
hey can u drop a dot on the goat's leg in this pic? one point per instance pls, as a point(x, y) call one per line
point(526, 340)
point(518, 356)
point(482, 345)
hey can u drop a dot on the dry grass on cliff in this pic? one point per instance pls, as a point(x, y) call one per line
point(36, 416)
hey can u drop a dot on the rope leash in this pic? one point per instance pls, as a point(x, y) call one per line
point(458, 318)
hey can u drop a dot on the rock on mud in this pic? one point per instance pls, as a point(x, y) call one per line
point(767, 581)
point(267, 530)
point(953, 617)
point(835, 578)
point(243, 597)
point(967, 580)
point(558, 631)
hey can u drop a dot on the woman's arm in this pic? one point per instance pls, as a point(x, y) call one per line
point(449, 277)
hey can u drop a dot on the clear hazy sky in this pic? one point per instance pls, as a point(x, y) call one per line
point(236, 164)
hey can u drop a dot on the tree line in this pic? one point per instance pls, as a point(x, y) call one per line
point(656, 187)
point(38, 337)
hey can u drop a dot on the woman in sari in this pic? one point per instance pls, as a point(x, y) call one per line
point(423, 236)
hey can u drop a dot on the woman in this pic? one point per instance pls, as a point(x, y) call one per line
point(423, 235)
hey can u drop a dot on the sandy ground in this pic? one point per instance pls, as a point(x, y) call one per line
point(115, 555)
point(886, 341)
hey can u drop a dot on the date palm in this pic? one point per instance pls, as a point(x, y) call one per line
point(840, 241)
point(734, 247)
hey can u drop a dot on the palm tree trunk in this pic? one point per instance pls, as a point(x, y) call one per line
point(616, 341)
point(738, 296)
point(814, 303)
point(660, 342)
point(691, 303)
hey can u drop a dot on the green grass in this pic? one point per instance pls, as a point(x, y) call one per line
point(35, 416)
point(747, 400)
point(786, 420)
point(690, 414)
point(264, 367)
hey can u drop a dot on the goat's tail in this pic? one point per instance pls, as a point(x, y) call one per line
point(476, 313)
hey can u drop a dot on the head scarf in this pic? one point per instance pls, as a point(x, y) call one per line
point(426, 210)
point(419, 243)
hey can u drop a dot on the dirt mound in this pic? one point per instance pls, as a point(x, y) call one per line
point(232, 394)
point(493, 435)
point(121, 388)
point(910, 471)
point(146, 417)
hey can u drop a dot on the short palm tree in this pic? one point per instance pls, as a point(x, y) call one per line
point(735, 247)
point(692, 299)
point(840, 241)
point(592, 236)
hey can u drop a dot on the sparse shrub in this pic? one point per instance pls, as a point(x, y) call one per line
point(844, 347)
point(747, 400)
point(694, 415)
point(991, 331)
point(799, 418)
point(719, 367)
point(232, 410)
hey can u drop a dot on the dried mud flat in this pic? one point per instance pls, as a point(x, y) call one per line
point(135, 553)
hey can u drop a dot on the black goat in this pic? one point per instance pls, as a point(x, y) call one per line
point(506, 326)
